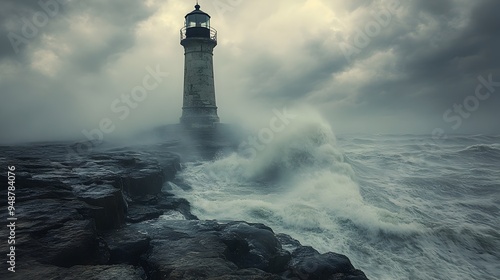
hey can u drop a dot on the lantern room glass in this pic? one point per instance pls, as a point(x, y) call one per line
point(197, 20)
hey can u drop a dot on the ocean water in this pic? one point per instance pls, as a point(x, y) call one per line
point(399, 206)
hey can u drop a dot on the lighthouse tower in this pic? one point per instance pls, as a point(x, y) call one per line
point(199, 40)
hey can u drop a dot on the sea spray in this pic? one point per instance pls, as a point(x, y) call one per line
point(300, 184)
point(397, 209)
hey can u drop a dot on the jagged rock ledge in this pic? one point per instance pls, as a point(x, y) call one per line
point(109, 215)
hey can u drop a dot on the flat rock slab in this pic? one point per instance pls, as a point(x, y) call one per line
point(79, 272)
point(140, 213)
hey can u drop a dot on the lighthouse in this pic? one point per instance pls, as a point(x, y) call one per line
point(199, 39)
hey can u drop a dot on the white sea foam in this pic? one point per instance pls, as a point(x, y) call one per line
point(301, 184)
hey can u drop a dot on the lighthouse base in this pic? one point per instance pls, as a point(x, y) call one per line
point(199, 117)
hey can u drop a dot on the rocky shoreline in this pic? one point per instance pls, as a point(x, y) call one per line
point(109, 215)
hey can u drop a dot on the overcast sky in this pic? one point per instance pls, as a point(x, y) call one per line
point(381, 66)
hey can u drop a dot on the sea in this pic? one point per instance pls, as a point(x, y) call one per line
point(399, 206)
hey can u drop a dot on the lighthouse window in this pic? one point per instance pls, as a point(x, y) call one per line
point(197, 20)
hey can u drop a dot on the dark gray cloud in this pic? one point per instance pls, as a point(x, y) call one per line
point(51, 78)
point(437, 51)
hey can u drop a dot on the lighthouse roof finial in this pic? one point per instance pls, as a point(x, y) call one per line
point(196, 12)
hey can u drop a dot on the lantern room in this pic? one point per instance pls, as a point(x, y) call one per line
point(197, 25)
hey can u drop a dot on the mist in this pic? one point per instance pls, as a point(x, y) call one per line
point(68, 68)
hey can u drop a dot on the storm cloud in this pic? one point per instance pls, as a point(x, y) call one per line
point(383, 66)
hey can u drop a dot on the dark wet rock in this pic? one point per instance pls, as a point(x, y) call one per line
point(126, 245)
point(254, 246)
point(97, 272)
point(180, 184)
point(72, 209)
point(139, 213)
point(76, 242)
point(62, 202)
point(70, 243)
point(57, 232)
point(307, 263)
point(152, 206)
point(175, 203)
point(109, 202)
point(105, 272)
point(248, 274)
point(287, 242)
point(148, 199)
point(237, 250)
point(170, 165)
point(35, 217)
point(145, 176)
point(186, 250)
point(170, 203)
point(28, 188)
point(143, 182)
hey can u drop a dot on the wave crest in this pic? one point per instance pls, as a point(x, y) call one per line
point(305, 174)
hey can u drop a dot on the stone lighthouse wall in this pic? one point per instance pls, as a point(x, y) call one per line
point(199, 106)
